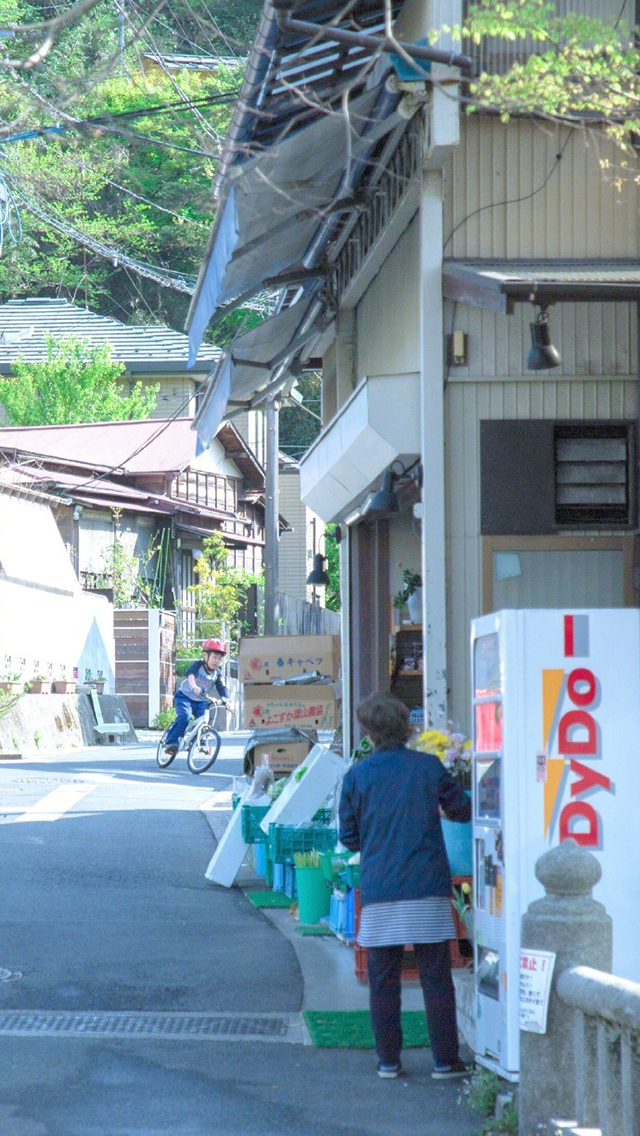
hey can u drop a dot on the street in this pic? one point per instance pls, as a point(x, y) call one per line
point(106, 913)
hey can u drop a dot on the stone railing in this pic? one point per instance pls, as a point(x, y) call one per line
point(583, 1075)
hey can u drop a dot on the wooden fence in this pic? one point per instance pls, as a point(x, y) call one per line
point(145, 661)
point(296, 617)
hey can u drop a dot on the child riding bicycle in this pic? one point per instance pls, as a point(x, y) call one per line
point(193, 694)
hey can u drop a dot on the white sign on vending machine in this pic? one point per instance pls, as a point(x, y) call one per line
point(556, 747)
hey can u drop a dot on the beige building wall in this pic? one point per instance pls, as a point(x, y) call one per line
point(297, 547)
point(175, 397)
point(388, 315)
point(579, 213)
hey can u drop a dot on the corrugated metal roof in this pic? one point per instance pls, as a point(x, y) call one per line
point(149, 445)
point(498, 284)
point(143, 348)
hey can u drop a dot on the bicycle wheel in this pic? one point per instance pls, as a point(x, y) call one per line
point(204, 747)
point(163, 758)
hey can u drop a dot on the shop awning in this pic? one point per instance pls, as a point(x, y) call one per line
point(253, 367)
point(277, 201)
point(499, 284)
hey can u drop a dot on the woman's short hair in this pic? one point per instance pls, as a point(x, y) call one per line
point(385, 719)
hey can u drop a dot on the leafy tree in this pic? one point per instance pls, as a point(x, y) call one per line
point(298, 427)
point(332, 553)
point(75, 383)
point(585, 70)
point(221, 591)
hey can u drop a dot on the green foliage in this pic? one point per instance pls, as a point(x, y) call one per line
point(588, 67)
point(298, 429)
point(7, 703)
point(483, 1090)
point(412, 581)
point(332, 553)
point(164, 719)
point(124, 571)
point(506, 1125)
point(221, 590)
point(75, 383)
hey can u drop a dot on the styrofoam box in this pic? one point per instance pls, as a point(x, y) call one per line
point(231, 851)
point(299, 800)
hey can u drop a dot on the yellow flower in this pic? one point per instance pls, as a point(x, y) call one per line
point(466, 888)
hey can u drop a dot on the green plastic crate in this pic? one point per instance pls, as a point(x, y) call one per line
point(323, 816)
point(352, 873)
point(251, 815)
point(284, 841)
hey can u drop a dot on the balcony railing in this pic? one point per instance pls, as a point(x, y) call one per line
point(207, 489)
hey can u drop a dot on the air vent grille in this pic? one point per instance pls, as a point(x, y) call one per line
point(592, 475)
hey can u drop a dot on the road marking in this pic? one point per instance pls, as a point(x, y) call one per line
point(59, 801)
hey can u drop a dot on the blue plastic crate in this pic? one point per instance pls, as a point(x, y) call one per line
point(278, 877)
point(416, 718)
point(339, 914)
point(290, 888)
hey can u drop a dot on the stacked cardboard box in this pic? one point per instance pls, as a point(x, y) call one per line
point(262, 661)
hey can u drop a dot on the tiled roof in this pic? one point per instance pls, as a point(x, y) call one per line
point(143, 348)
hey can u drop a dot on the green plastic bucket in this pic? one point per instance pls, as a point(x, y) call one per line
point(314, 897)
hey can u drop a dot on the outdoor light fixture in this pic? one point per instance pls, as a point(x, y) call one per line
point(319, 577)
point(543, 355)
point(386, 499)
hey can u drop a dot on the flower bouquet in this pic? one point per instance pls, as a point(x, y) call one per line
point(453, 750)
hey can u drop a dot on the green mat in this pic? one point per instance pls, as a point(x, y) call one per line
point(351, 1029)
point(313, 929)
point(269, 898)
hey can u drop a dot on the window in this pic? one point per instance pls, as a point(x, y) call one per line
point(592, 475)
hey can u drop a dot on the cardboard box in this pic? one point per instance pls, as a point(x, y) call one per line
point(299, 800)
point(283, 756)
point(267, 658)
point(310, 707)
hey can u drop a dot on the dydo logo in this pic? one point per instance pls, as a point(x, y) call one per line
point(570, 698)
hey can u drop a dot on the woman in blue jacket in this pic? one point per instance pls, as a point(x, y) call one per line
point(390, 812)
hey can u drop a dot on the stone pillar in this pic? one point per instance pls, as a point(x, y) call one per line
point(571, 923)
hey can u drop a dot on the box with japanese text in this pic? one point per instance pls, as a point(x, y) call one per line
point(283, 756)
point(316, 706)
point(270, 657)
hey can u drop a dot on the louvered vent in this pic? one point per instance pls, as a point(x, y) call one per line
point(592, 475)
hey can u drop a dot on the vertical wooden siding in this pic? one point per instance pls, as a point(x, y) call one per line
point(131, 630)
point(467, 403)
point(579, 213)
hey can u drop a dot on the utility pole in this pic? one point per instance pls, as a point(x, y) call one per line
point(271, 527)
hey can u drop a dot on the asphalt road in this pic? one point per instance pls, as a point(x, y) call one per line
point(105, 910)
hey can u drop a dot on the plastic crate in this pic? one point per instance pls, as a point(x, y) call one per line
point(278, 877)
point(235, 801)
point(416, 717)
point(284, 841)
point(461, 949)
point(352, 875)
point(251, 816)
point(339, 915)
point(323, 816)
point(290, 887)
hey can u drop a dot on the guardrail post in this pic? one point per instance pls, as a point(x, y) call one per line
point(571, 923)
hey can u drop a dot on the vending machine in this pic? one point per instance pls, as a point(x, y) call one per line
point(556, 754)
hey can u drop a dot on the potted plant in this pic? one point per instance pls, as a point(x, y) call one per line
point(12, 683)
point(64, 686)
point(99, 683)
point(411, 595)
point(39, 684)
point(454, 751)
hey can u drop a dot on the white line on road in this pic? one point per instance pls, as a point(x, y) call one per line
point(60, 801)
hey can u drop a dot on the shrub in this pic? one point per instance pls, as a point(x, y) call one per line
point(164, 718)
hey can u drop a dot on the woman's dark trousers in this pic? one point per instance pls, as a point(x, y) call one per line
point(434, 966)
